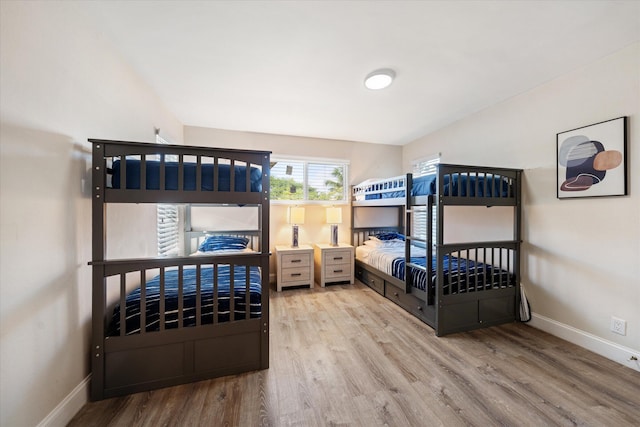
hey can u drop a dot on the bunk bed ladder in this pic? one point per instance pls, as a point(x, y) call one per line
point(438, 286)
point(407, 232)
point(428, 242)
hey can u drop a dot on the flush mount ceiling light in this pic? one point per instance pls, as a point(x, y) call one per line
point(379, 79)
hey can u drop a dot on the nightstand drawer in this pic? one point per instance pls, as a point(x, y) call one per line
point(336, 271)
point(295, 274)
point(337, 257)
point(295, 260)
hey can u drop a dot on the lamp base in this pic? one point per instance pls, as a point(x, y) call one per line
point(334, 235)
point(294, 237)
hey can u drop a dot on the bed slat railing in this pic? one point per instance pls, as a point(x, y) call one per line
point(247, 293)
point(198, 295)
point(232, 300)
point(479, 266)
point(477, 185)
point(107, 152)
point(199, 172)
point(143, 302)
point(389, 185)
point(162, 300)
point(239, 268)
point(216, 291)
point(180, 297)
point(123, 296)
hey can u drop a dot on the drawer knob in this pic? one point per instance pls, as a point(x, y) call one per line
point(296, 260)
point(337, 271)
point(419, 308)
point(296, 274)
point(395, 294)
point(337, 258)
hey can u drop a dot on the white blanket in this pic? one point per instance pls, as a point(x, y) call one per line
point(382, 257)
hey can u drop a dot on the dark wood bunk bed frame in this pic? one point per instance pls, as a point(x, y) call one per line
point(149, 359)
point(440, 307)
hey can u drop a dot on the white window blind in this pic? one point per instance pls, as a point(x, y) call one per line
point(423, 167)
point(168, 221)
point(168, 236)
point(308, 180)
point(325, 181)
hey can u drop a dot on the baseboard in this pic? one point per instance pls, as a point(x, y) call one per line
point(610, 350)
point(69, 407)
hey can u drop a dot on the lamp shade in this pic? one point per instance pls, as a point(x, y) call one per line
point(334, 215)
point(295, 215)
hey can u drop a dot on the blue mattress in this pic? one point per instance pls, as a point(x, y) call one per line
point(426, 185)
point(189, 299)
point(189, 176)
point(460, 275)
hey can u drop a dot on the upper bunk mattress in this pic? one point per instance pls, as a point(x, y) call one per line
point(189, 176)
point(454, 185)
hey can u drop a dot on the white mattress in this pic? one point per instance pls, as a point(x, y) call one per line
point(382, 257)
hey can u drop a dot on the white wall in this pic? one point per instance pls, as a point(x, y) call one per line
point(60, 84)
point(581, 258)
point(367, 161)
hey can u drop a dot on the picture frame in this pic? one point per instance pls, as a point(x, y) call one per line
point(592, 160)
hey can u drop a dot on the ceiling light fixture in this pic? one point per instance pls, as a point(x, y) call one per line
point(379, 79)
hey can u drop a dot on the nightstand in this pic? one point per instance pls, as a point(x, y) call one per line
point(295, 266)
point(333, 263)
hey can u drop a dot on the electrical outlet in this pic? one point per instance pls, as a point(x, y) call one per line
point(618, 326)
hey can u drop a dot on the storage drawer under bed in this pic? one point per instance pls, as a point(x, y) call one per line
point(410, 303)
point(374, 282)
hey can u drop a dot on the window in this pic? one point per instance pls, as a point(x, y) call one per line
point(168, 236)
point(168, 221)
point(308, 181)
point(422, 167)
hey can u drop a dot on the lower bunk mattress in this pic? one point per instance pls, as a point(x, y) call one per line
point(460, 275)
point(221, 291)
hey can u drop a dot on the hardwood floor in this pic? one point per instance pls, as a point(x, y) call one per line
point(345, 356)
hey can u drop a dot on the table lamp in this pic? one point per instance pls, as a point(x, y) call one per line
point(295, 216)
point(334, 217)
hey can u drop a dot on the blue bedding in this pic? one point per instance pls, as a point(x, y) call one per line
point(460, 275)
point(189, 176)
point(189, 299)
point(427, 185)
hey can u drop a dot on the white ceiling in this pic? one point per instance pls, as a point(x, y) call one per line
point(297, 67)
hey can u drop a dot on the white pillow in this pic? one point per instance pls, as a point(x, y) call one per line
point(375, 242)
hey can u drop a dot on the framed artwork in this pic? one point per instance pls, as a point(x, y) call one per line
point(592, 160)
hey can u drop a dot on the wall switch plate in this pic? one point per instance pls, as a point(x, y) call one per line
point(618, 326)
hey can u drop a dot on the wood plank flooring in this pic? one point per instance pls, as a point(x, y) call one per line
point(345, 356)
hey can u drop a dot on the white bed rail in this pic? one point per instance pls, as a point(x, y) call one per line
point(378, 187)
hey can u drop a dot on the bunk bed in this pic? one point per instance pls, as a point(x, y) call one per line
point(453, 287)
point(164, 321)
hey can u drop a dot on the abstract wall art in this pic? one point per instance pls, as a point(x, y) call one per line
point(592, 160)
